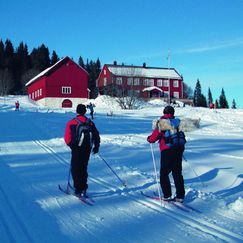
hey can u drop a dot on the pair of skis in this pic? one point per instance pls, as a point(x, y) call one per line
point(89, 201)
point(182, 206)
point(85, 199)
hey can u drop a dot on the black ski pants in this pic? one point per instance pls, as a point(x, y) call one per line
point(171, 161)
point(79, 167)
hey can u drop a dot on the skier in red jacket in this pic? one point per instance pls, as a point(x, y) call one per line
point(81, 152)
point(170, 161)
point(17, 105)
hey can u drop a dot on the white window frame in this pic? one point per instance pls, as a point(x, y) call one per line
point(176, 94)
point(104, 72)
point(159, 82)
point(166, 83)
point(136, 81)
point(175, 83)
point(129, 81)
point(66, 90)
point(151, 82)
point(146, 82)
point(105, 81)
point(119, 80)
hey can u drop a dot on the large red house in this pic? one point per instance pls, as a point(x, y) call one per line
point(147, 81)
point(65, 84)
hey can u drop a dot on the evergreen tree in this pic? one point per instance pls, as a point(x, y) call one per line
point(202, 101)
point(216, 104)
point(1, 54)
point(21, 65)
point(93, 69)
point(222, 100)
point(210, 97)
point(233, 104)
point(81, 62)
point(54, 58)
point(40, 58)
point(8, 55)
point(199, 100)
point(6, 82)
point(197, 93)
point(98, 67)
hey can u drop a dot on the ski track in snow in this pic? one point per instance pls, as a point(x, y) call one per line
point(19, 227)
point(190, 219)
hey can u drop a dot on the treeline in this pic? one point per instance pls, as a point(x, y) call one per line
point(18, 66)
point(200, 100)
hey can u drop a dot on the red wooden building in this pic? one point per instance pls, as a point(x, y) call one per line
point(65, 84)
point(147, 81)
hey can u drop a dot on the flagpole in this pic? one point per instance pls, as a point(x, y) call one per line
point(169, 76)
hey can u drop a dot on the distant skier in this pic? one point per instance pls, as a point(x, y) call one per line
point(170, 161)
point(81, 135)
point(91, 106)
point(17, 105)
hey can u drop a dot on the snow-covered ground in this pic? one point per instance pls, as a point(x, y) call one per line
point(34, 160)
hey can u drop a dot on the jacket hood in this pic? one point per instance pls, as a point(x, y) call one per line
point(167, 116)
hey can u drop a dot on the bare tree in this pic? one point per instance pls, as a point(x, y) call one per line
point(31, 73)
point(6, 82)
point(128, 99)
point(127, 95)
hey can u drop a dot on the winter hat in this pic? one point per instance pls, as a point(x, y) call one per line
point(81, 109)
point(169, 110)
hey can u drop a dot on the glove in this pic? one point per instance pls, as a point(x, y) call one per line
point(95, 150)
point(148, 139)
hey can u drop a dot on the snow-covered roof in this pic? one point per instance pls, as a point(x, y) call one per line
point(43, 72)
point(148, 72)
point(152, 88)
point(46, 71)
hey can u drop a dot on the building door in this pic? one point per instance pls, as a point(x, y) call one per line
point(67, 103)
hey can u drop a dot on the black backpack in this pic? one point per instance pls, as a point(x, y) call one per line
point(83, 136)
point(175, 137)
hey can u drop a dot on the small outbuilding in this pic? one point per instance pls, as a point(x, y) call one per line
point(65, 84)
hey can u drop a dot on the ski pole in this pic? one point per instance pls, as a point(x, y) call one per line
point(68, 182)
point(123, 182)
point(155, 172)
point(199, 178)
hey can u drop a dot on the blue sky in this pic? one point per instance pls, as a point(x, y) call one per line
point(205, 38)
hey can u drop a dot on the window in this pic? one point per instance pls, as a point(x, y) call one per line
point(119, 80)
point(151, 82)
point(40, 92)
point(159, 82)
point(66, 90)
point(146, 82)
point(105, 81)
point(136, 81)
point(175, 83)
point(104, 72)
point(130, 81)
point(166, 93)
point(176, 94)
point(166, 83)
